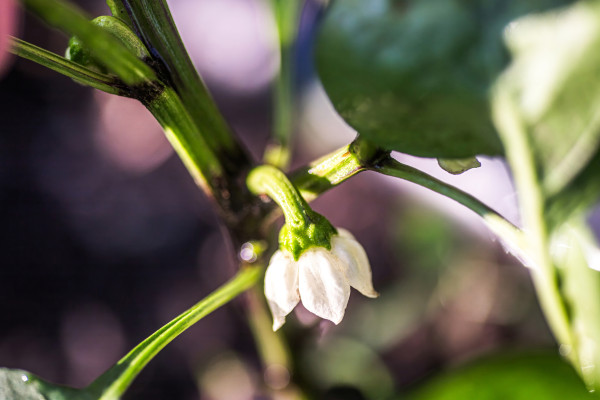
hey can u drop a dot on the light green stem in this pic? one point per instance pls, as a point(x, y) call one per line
point(66, 67)
point(392, 167)
point(327, 172)
point(266, 179)
point(113, 383)
point(531, 202)
point(286, 17)
point(512, 235)
point(270, 345)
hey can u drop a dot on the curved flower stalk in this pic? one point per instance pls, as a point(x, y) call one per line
point(316, 263)
point(321, 278)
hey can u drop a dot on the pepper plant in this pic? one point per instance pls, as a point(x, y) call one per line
point(445, 79)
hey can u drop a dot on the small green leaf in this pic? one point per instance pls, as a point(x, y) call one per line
point(456, 166)
point(22, 385)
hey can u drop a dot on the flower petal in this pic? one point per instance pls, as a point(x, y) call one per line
point(352, 254)
point(324, 289)
point(281, 286)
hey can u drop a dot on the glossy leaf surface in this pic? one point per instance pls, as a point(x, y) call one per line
point(414, 76)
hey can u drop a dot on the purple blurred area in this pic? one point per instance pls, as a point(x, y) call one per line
point(104, 236)
point(8, 25)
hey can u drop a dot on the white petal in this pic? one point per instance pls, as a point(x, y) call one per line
point(324, 289)
point(345, 233)
point(352, 254)
point(281, 286)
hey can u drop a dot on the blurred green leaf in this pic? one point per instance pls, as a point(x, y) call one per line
point(578, 196)
point(518, 376)
point(553, 80)
point(22, 385)
point(425, 241)
point(342, 361)
point(577, 257)
point(546, 110)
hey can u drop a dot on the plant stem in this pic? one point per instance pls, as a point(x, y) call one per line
point(68, 68)
point(117, 9)
point(334, 168)
point(286, 14)
point(238, 209)
point(155, 26)
point(531, 201)
point(512, 235)
point(113, 383)
point(271, 348)
point(183, 134)
point(327, 172)
point(394, 168)
point(266, 179)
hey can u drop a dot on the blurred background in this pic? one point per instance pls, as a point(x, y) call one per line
point(104, 238)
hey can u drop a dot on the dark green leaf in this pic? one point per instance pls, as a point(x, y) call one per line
point(16, 384)
point(414, 76)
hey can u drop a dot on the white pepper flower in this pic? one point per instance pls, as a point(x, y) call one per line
point(321, 278)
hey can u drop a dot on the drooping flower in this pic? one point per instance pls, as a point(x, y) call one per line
point(320, 278)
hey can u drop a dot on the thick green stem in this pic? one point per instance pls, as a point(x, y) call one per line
point(154, 24)
point(334, 168)
point(183, 134)
point(326, 173)
point(266, 179)
point(113, 383)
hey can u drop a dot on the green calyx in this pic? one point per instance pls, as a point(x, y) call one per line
point(303, 227)
point(317, 232)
